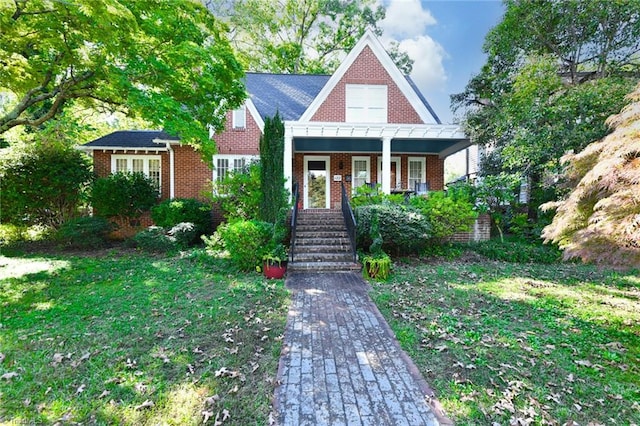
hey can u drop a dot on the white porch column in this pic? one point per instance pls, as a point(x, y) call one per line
point(288, 159)
point(386, 165)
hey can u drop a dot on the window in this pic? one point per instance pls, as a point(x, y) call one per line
point(148, 165)
point(240, 118)
point(417, 171)
point(366, 103)
point(360, 170)
point(229, 163)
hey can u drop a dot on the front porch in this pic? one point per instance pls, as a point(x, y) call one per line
point(323, 156)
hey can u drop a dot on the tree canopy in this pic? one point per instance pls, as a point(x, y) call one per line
point(555, 71)
point(600, 219)
point(293, 36)
point(167, 62)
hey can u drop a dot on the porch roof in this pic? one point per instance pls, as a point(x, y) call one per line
point(442, 140)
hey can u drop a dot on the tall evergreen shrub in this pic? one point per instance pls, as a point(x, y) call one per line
point(272, 169)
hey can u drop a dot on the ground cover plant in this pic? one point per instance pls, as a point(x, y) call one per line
point(136, 339)
point(505, 343)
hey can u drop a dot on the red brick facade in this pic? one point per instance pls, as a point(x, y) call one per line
point(239, 141)
point(366, 69)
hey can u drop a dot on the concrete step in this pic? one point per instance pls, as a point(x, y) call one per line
point(323, 247)
point(311, 241)
point(327, 234)
point(320, 227)
point(321, 267)
point(322, 257)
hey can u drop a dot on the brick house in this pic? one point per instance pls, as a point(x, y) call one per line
point(366, 123)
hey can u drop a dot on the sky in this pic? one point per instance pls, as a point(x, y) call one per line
point(444, 38)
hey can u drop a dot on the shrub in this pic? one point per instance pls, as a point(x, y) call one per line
point(170, 213)
point(184, 234)
point(364, 195)
point(246, 241)
point(43, 185)
point(84, 232)
point(445, 214)
point(238, 193)
point(273, 195)
point(154, 239)
point(376, 266)
point(517, 251)
point(403, 229)
point(123, 195)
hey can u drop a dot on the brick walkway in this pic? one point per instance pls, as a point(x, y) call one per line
point(340, 363)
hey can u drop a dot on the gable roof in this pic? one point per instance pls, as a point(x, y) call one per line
point(130, 139)
point(290, 94)
point(409, 91)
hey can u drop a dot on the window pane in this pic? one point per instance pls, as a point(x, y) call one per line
point(360, 173)
point(154, 172)
point(239, 118)
point(238, 164)
point(222, 167)
point(121, 165)
point(415, 173)
point(138, 165)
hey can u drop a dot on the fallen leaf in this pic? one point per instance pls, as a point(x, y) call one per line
point(80, 389)
point(234, 389)
point(104, 394)
point(206, 414)
point(57, 359)
point(147, 404)
point(211, 400)
point(584, 363)
point(8, 376)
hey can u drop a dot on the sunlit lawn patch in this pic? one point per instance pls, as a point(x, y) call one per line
point(499, 342)
point(132, 339)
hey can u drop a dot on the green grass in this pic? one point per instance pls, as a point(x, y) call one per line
point(136, 339)
point(546, 344)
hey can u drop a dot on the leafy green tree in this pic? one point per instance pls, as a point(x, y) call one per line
point(168, 62)
point(273, 194)
point(599, 221)
point(554, 72)
point(43, 184)
point(292, 36)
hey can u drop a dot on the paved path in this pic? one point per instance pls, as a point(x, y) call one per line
point(340, 363)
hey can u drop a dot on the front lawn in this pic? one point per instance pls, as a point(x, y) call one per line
point(135, 339)
point(521, 344)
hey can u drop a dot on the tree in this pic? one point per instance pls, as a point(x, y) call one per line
point(600, 219)
point(273, 197)
point(168, 62)
point(293, 36)
point(554, 72)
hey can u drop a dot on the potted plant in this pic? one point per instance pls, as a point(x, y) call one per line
point(275, 261)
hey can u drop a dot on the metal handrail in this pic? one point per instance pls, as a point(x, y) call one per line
point(294, 220)
point(349, 221)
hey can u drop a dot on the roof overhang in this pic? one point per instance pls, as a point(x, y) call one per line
point(440, 139)
point(122, 148)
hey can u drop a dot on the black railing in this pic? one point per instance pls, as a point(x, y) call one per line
point(349, 221)
point(294, 220)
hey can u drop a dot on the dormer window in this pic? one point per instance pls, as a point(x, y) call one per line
point(366, 103)
point(240, 118)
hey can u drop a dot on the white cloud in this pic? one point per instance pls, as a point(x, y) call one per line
point(406, 19)
point(428, 56)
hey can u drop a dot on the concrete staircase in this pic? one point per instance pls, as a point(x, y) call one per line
point(322, 243)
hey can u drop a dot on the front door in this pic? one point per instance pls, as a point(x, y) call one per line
point(316, 182)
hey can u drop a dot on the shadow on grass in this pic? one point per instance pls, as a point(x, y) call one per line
point(138, 340)
point(501, 342)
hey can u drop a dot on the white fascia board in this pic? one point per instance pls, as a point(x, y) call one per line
point(370, 39)
point(251, 107)
point(463, 144)
point(121, 148)
point(375, 130)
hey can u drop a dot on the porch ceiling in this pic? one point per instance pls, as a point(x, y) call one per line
point(438, 139)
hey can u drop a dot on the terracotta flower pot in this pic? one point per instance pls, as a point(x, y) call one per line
point(274, 271)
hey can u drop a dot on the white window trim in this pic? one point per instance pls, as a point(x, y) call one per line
point(247, 158)
point(398, 182)
point(145, 164)
point(366, 116)
point(236, 114)
point(422, 160)
point(353, 167)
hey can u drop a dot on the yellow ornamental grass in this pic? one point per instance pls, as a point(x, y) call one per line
point(600, 219)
